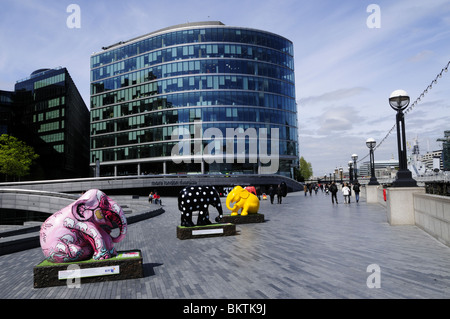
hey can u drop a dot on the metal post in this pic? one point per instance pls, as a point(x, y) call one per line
point(373, 179)
point(404, 176)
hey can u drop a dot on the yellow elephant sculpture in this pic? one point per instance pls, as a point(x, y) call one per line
point(244, 200)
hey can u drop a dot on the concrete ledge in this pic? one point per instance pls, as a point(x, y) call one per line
point(248, 219)
point(213, 230)
point(126, 265)
point(139, 217)
point(400, 205)
point(34, 200)
point(9, 245)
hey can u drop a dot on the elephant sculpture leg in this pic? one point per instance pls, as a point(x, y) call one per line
point(203, 218)
point(198, 198)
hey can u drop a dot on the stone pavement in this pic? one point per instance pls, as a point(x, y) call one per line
point(307, 248)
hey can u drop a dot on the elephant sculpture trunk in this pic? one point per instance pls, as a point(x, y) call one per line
point(228, 202)
point(234, 203)
point(120, 222)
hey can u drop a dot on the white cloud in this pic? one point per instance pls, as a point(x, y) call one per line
point(327, 97)
point(341, 119)
point(425, 54)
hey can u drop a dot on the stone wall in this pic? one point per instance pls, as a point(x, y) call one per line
point(432, 214)
point(38, 201)
point(380, 196)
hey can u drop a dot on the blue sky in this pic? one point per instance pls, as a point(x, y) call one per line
point(345, 71)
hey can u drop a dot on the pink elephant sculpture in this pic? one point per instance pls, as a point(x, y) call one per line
point(82, 230)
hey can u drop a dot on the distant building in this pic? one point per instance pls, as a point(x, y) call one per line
point(46, 111)
point(383, 168)
point(432, 160)
point(446, 151)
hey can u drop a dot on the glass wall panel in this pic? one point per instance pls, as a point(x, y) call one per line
point(224, 77)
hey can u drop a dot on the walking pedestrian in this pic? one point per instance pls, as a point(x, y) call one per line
point(334, 190)
point(279, 194)
point(271, 193)
point(305, 189)
point(357, 189)
point(346, 193)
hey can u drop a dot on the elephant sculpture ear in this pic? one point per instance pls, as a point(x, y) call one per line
point(80, 211)
point(244, 193)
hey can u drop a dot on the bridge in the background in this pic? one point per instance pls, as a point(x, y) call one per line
point(143, 184)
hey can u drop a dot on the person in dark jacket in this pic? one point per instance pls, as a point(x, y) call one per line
point(271, 194)
point(356, 189)
point(334, 190)
point(279, 194)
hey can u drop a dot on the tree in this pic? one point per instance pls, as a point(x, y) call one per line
point(305, 169)
point(16, 157)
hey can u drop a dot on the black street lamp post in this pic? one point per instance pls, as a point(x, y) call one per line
point(399, 100)
point(371, 145)
point(350, 171)
point(354, 158)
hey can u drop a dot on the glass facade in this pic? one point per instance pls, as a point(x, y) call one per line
point(50, 115)
point(6, 105)
point(205, 75)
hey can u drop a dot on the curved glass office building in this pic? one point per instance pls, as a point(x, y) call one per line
point(194, 98)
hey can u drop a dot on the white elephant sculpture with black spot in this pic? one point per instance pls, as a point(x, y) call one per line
point(198, 198)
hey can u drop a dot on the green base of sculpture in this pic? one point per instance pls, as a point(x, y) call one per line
point(213, 230)
point(126, 265)
point(247, 219)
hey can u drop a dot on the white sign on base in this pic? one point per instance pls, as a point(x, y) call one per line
point(207, 231)
point(88, 272)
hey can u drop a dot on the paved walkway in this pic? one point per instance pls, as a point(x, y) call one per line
point(307, 248)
